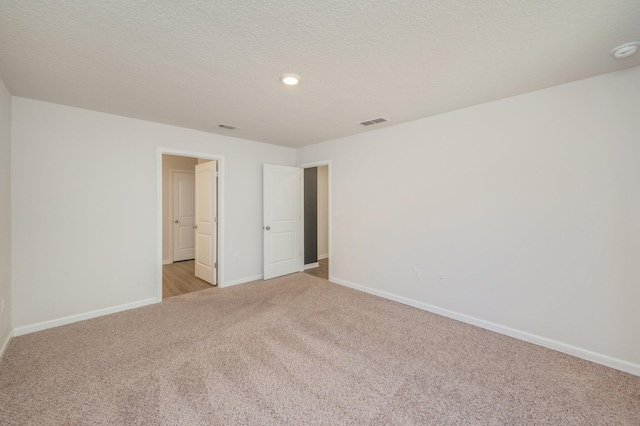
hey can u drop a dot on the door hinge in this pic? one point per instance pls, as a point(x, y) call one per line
point(215, 219)
point(216, 175)
point(215, 265)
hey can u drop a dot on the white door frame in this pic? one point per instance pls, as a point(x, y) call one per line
point(171, 207)
point(221, 222)
point(330, 196)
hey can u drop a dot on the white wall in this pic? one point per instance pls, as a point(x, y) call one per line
point(530, 206)
point(171, 162)
point(323, 212)
point(5, 214)
point(84, 207)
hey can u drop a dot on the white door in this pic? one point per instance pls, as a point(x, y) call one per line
point(206, 221)
point(282, 227)
point(184, 205)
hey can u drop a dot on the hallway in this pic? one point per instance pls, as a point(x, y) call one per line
point(322, 271)
point(179, 278)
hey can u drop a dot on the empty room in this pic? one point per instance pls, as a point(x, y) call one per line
point(391, 212)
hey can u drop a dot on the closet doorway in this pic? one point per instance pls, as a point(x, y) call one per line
point(316, 220)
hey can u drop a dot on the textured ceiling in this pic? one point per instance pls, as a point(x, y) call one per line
point(200, 63)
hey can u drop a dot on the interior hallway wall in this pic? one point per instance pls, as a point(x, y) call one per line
point(529, 206)
point(323, 212)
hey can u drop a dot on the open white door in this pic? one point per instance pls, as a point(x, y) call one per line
point(183, 216)
point(282, 227)
point(206, 221)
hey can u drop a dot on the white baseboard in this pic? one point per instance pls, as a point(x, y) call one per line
point(26, 329)
point(311, 265)
point(167, 262)
point(323, 256)
point(598, 358)
point(241, 281)
point(5, 344)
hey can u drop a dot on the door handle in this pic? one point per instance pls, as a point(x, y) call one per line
point(176, 221)
point(267, 228)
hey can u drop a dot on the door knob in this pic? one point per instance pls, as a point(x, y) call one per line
point(267, 228)
point(176, 221)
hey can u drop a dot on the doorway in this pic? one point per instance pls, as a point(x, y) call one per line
point(190, 227)
point(182, 197)
point(283, 204)
point(316, 220)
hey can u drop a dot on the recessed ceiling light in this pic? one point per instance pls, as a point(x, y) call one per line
point(290, 79)
point(625, 50)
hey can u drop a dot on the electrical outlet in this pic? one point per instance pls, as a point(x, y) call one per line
point(442, 278)
point(417, 274)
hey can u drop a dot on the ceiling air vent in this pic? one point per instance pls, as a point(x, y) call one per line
point(226, 126)
point(374, 121)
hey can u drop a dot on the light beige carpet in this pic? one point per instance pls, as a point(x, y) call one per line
point(298, 350)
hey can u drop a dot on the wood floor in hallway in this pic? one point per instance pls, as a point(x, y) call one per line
point(322, 271)
point(179, 278)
